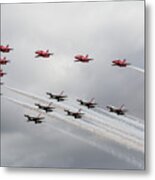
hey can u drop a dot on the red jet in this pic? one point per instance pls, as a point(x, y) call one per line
point(120, 63)
point(45, 54)
point(84, 59)
point(3, 61)
point(5, 49)
point(2, 73)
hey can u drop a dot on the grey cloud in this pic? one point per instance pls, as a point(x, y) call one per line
point(104, 31)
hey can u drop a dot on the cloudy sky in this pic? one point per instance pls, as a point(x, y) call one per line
point(105, 31)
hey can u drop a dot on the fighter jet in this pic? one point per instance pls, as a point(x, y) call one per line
point(2, 73)
point(59, 97)
point(47, 108)
point(88, 104)
point(118, 111)
point(5, 49)
point(120, 63)
point(44, 54)
point(3, 61)
point(76, 115)
point(81, 58)
point(36, 120)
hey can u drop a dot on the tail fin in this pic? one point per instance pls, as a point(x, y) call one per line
point(61, 93)
point(92, 100)
point(39, 115)
point(79, 110)
point(50, 104)
point(122, 106)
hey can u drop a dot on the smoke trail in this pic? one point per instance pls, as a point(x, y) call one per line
point(105, 148)
point(58, 105)
point(116, 131)
point(136, 68)
point(111, 123)
point(100, 112)
point(34, 97)
point(140, 121)
point(104, 132)
point(110, 131)
point(123, 119)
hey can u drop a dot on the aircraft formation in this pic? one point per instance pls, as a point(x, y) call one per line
point(4, 60)
point(60, 97)
point(76, 114)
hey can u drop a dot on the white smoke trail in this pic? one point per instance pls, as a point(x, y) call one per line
point(136, 68)
point(34, 97)
point(107, 132)
point(140, 121)
point(100, 112)
point(104, 132)
point(124, 119)
point(59, 105)
point(112, 123)
point(119, 137)
point(105, 148)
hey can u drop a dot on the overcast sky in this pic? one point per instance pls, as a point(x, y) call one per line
point(105, 31)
